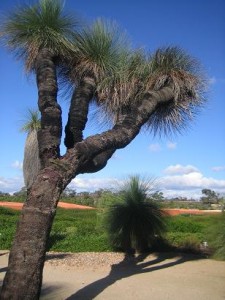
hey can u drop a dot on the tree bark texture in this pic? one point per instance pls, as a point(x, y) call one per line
point(49, 136)
point(77, 117)
point(31, 162)
point(24, 277)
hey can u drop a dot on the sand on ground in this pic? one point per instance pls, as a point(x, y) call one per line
point(167, 211)
point(110, 276)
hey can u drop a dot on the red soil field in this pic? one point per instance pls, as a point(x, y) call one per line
point(170, 212)
point(18, 205)
point(176, 211)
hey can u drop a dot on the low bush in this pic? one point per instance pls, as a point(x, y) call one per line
point(133, 223)
point(215, 235)
point(83, 230)
point(8, 221)
point(184, 224)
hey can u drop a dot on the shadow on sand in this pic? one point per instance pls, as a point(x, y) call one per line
point(52, 292)
point(52, 255)
point(130, 266)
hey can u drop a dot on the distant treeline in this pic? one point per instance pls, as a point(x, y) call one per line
point(104, 198)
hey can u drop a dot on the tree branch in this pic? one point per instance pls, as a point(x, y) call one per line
point(77, 117)
point(97, 163)
point(94, 152)
point(49, 136)
point(127, 126)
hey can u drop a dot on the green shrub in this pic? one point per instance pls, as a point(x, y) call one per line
point(82, 230)
point(216, 237)
point(180, 239)
point(8, 221)
point(184, 224)
point(133, 224)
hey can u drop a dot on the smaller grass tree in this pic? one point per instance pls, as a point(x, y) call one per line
point(134, 223)
point(31, 161)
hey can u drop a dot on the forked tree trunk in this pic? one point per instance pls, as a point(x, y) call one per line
point(24, 277)
point(26, 261)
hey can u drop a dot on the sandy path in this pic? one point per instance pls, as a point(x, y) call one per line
point(170, 212)
point(18, 205)
point(163, 277)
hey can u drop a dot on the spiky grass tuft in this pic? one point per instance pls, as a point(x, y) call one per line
point(33, 27)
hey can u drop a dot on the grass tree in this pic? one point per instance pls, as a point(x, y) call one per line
point(133, 89)
point(31, 161)
point(135, 223)
point(40, 36)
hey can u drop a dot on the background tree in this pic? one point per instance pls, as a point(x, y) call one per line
point(209, 197)
point(157, 196)
point(131, 88)
point(31, 161)
point(134, 223)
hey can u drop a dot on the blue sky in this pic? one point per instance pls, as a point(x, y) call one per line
point(183, 164)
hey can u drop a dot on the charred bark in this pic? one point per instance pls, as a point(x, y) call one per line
point(24, 276)
point(77, 117)
point(125, 130)
point(49, 136)
point(90, 155)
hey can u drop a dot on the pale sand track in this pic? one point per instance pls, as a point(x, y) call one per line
point(171, 212)
point(108, 276)
point(18, 205)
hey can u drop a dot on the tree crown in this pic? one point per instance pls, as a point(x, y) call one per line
point(32, 121)
point(29, 29)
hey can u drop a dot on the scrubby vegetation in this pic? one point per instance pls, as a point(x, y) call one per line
point(134, 222)
point(216, 237)
point(83, 230)
point(103, 198)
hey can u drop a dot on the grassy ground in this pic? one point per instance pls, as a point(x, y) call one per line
point(81, 231)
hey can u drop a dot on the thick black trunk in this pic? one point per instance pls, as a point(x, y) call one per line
point(77, 117)
point(24, 276)
point(49, 136)
point(23, 279)
point(125, 130)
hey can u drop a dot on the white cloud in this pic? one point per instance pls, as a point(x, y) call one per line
point(155, 147)
point(212, 80)
point(93, 184)
point(17, 165)
point(171, 145)
point(11, 185)
point(218, 168)
point(189, 182)
point(178, 181)
point(116, 156)
point(192, 180)
point(190, 194)
point(179, 169)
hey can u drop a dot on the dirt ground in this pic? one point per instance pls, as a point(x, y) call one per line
point(110, 276)
point(19, 205)
point(170, 212)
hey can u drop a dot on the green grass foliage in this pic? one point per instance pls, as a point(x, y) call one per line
point(8, 221)
point(216, 237)
point(77, 231)
point(82, 231)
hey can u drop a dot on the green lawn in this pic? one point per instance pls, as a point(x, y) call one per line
point(82, 230)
